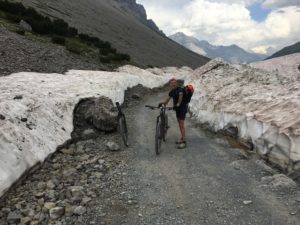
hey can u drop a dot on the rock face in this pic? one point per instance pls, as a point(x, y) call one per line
point(139, 12)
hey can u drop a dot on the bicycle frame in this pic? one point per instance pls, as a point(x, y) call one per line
point(120, 113)
point(161, 126)
point(162, 114)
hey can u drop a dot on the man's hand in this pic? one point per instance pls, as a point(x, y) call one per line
point(175, 107)
point(160, 105)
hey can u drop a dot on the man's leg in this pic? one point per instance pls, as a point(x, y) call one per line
point(181, 117)
point(182, 145)
point(182, 129)
point(180, 140)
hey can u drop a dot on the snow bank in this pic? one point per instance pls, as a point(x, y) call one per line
point(288, 65)
point(265, 107)
point(38, 111)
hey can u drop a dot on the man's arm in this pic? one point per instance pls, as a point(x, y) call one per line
point(179, 99)
point(166, 101)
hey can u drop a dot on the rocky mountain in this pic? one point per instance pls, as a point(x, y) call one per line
point(231, 54)
point(295, 48)
point(139, 12)
point(119, 22)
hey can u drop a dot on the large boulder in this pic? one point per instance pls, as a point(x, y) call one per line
point(104, 117)
point(96, 114)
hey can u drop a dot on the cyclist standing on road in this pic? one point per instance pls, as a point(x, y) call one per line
point(177, 94)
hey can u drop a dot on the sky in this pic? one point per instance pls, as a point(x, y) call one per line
point(261, 26)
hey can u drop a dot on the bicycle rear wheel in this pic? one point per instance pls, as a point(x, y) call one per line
point(158, 137)
point(123, 130)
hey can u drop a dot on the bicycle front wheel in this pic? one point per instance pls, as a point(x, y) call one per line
point(158, 137)
point(123, 130)
point(165, 127)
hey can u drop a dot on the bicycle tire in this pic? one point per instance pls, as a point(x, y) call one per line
point(158, 137)
point(165, 127)
point(123, 130)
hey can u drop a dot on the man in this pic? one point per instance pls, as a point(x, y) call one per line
point(177, 94)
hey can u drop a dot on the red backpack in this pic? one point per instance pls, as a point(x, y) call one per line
point(188, 93)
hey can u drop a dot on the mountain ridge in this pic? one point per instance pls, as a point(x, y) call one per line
point(291, 49)
point(106, 20)
point(232, 53)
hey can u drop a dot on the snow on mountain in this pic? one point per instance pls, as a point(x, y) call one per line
point(232, 54)
point(37, 109)
point(288, 65)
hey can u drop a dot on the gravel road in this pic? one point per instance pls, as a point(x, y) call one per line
point(210, 182)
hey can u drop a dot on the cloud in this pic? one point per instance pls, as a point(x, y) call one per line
point(227, 22)
point(240, 2)
point(280, 3)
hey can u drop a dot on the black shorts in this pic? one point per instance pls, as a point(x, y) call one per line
point(181, 112)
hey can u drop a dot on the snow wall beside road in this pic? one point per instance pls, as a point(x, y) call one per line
point(37, 111)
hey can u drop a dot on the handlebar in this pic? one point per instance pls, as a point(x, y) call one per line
point(156, 107)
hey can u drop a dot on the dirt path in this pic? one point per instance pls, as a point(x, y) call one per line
point(198, 185)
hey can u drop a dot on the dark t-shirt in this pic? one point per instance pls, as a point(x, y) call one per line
point(175, 95)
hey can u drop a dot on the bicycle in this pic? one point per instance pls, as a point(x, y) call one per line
point(161, 126)
point(122, 125)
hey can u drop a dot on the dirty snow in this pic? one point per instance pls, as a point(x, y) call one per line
point(265, 107)
point(288, 65)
